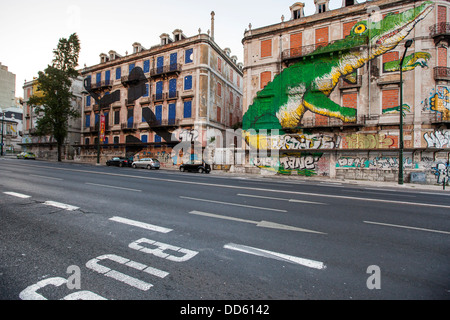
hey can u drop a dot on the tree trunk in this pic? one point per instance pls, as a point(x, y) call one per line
point(59, 152)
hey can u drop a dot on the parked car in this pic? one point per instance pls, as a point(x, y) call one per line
point(26, 155)
point(119, 162)
point(196, 167)
point(147, 163)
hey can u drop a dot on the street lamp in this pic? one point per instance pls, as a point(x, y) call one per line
point(401, 141)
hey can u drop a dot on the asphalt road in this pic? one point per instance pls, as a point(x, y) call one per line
point(72, 231)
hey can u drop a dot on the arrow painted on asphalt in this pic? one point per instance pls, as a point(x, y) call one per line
point(261, 224)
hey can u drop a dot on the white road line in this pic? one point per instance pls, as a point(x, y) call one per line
point(112, 187)
point(44, 177)
point(406, 227)
point(232, 204)
point(281, 199)
point(61, 205)
point(17, 195)
point(277, 256)
point(142, 225)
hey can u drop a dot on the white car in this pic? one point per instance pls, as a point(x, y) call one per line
point(147, 163)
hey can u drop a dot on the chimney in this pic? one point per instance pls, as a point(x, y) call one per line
point(212, 24)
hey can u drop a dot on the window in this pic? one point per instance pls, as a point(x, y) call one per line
point(219, 64)
point(266, 48)
point(117, 117)
point(118, 73)
point(219, 89)
point(172, 113)
point(146, 66)
point(86, 141)
point(389, 57)
point(348, 26)
point(107, 76)
point(188, 83)
point(157, 138)
point(146, 90)
point(297, 14)
point(187, 109)
point(266, 77)
point(87, 121)
point(189, 56)
point(321, 8)
point(350, 100)
point(219, 114)
point(131, 67)
point(390, 100)
point(116, 142)
point(172, 88)
point(88, 101)
point(144, 138)
point(99, 78)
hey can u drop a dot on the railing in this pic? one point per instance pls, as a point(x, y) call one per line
point(442, 73)
point(128, 126)
point(302, 51)
point(438, 29)
point(102, 84)
point(172, 68)
point(164, 123)
point(332, 122)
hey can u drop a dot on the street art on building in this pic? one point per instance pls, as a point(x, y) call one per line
point(440, 102)
point(308, 84)
point(438, 139)
point(381, 162)
point(442, 172)
point(304, 164)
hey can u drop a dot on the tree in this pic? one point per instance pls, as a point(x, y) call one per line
point(54, 104)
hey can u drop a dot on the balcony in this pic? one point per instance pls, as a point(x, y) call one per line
point(129, 126)
point(440, 31)
point(164, 123)
point(442, 73)
point(332, 122)
point(102, 85)
point(165, 70)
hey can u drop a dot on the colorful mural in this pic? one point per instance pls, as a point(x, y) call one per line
point(442, 172)
point(308, 84)
point(438, 139)
point(304, 164)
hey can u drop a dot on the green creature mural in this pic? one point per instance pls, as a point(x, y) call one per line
point(307, 85)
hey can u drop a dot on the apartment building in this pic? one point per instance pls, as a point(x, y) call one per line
point(145, 103)
point(330, 83)
point(45, 147)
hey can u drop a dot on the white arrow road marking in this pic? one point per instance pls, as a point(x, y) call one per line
point(262, 224)
point(281, 199)
point(64, 206)
point(17, 195)
point(277, 256)
point(232, 204)
point(142, 225)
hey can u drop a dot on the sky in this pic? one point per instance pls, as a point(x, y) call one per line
point(30, 29)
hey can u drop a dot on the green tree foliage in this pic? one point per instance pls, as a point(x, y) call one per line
point(54, 106)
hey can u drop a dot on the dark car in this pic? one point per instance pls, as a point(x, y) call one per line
point(119, 162)
point(196, 167)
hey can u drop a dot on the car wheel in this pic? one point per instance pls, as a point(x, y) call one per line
point(181, 169)
point(134, 166)
point(121, 164)
point(149, 167)
point(200, 170)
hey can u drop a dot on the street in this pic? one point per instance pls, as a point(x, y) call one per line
point(73, 231)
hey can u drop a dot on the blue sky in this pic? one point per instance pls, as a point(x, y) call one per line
point(30, 29)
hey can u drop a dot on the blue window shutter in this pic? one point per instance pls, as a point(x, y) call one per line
point(144, 138)
point(157, 138)
point(88, 101)
point(88, 120)
point(158, 113)
point(118, 73)
point(146, 66)
point(107, 76)
point(188, 83)
point(172, 88)
point(189, 56)
point(99, 77)
point(159, 90)
point(106, 141)
point(146, 90)
point(160, 64)
point(173, 61)
point(188, 109)
point(130, 68)
point(172, 113)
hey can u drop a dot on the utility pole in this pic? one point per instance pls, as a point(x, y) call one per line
point(3, 123)
point(401, 140)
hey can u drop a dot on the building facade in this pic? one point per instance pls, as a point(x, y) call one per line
point(323, 92)
point(45, 147)
point(7, 88)
point(144, 104)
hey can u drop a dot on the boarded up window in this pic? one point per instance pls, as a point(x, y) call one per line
point(321, 37)
point(442, 57)
point(348, 27)
point(219, 89)
point(266, 77)
point(296, 44)
point(389, 57)
point(219, 114)
point(350, 100)
point(219, 64)
point(390, 99)
point(266, 48)
point(442, 14)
